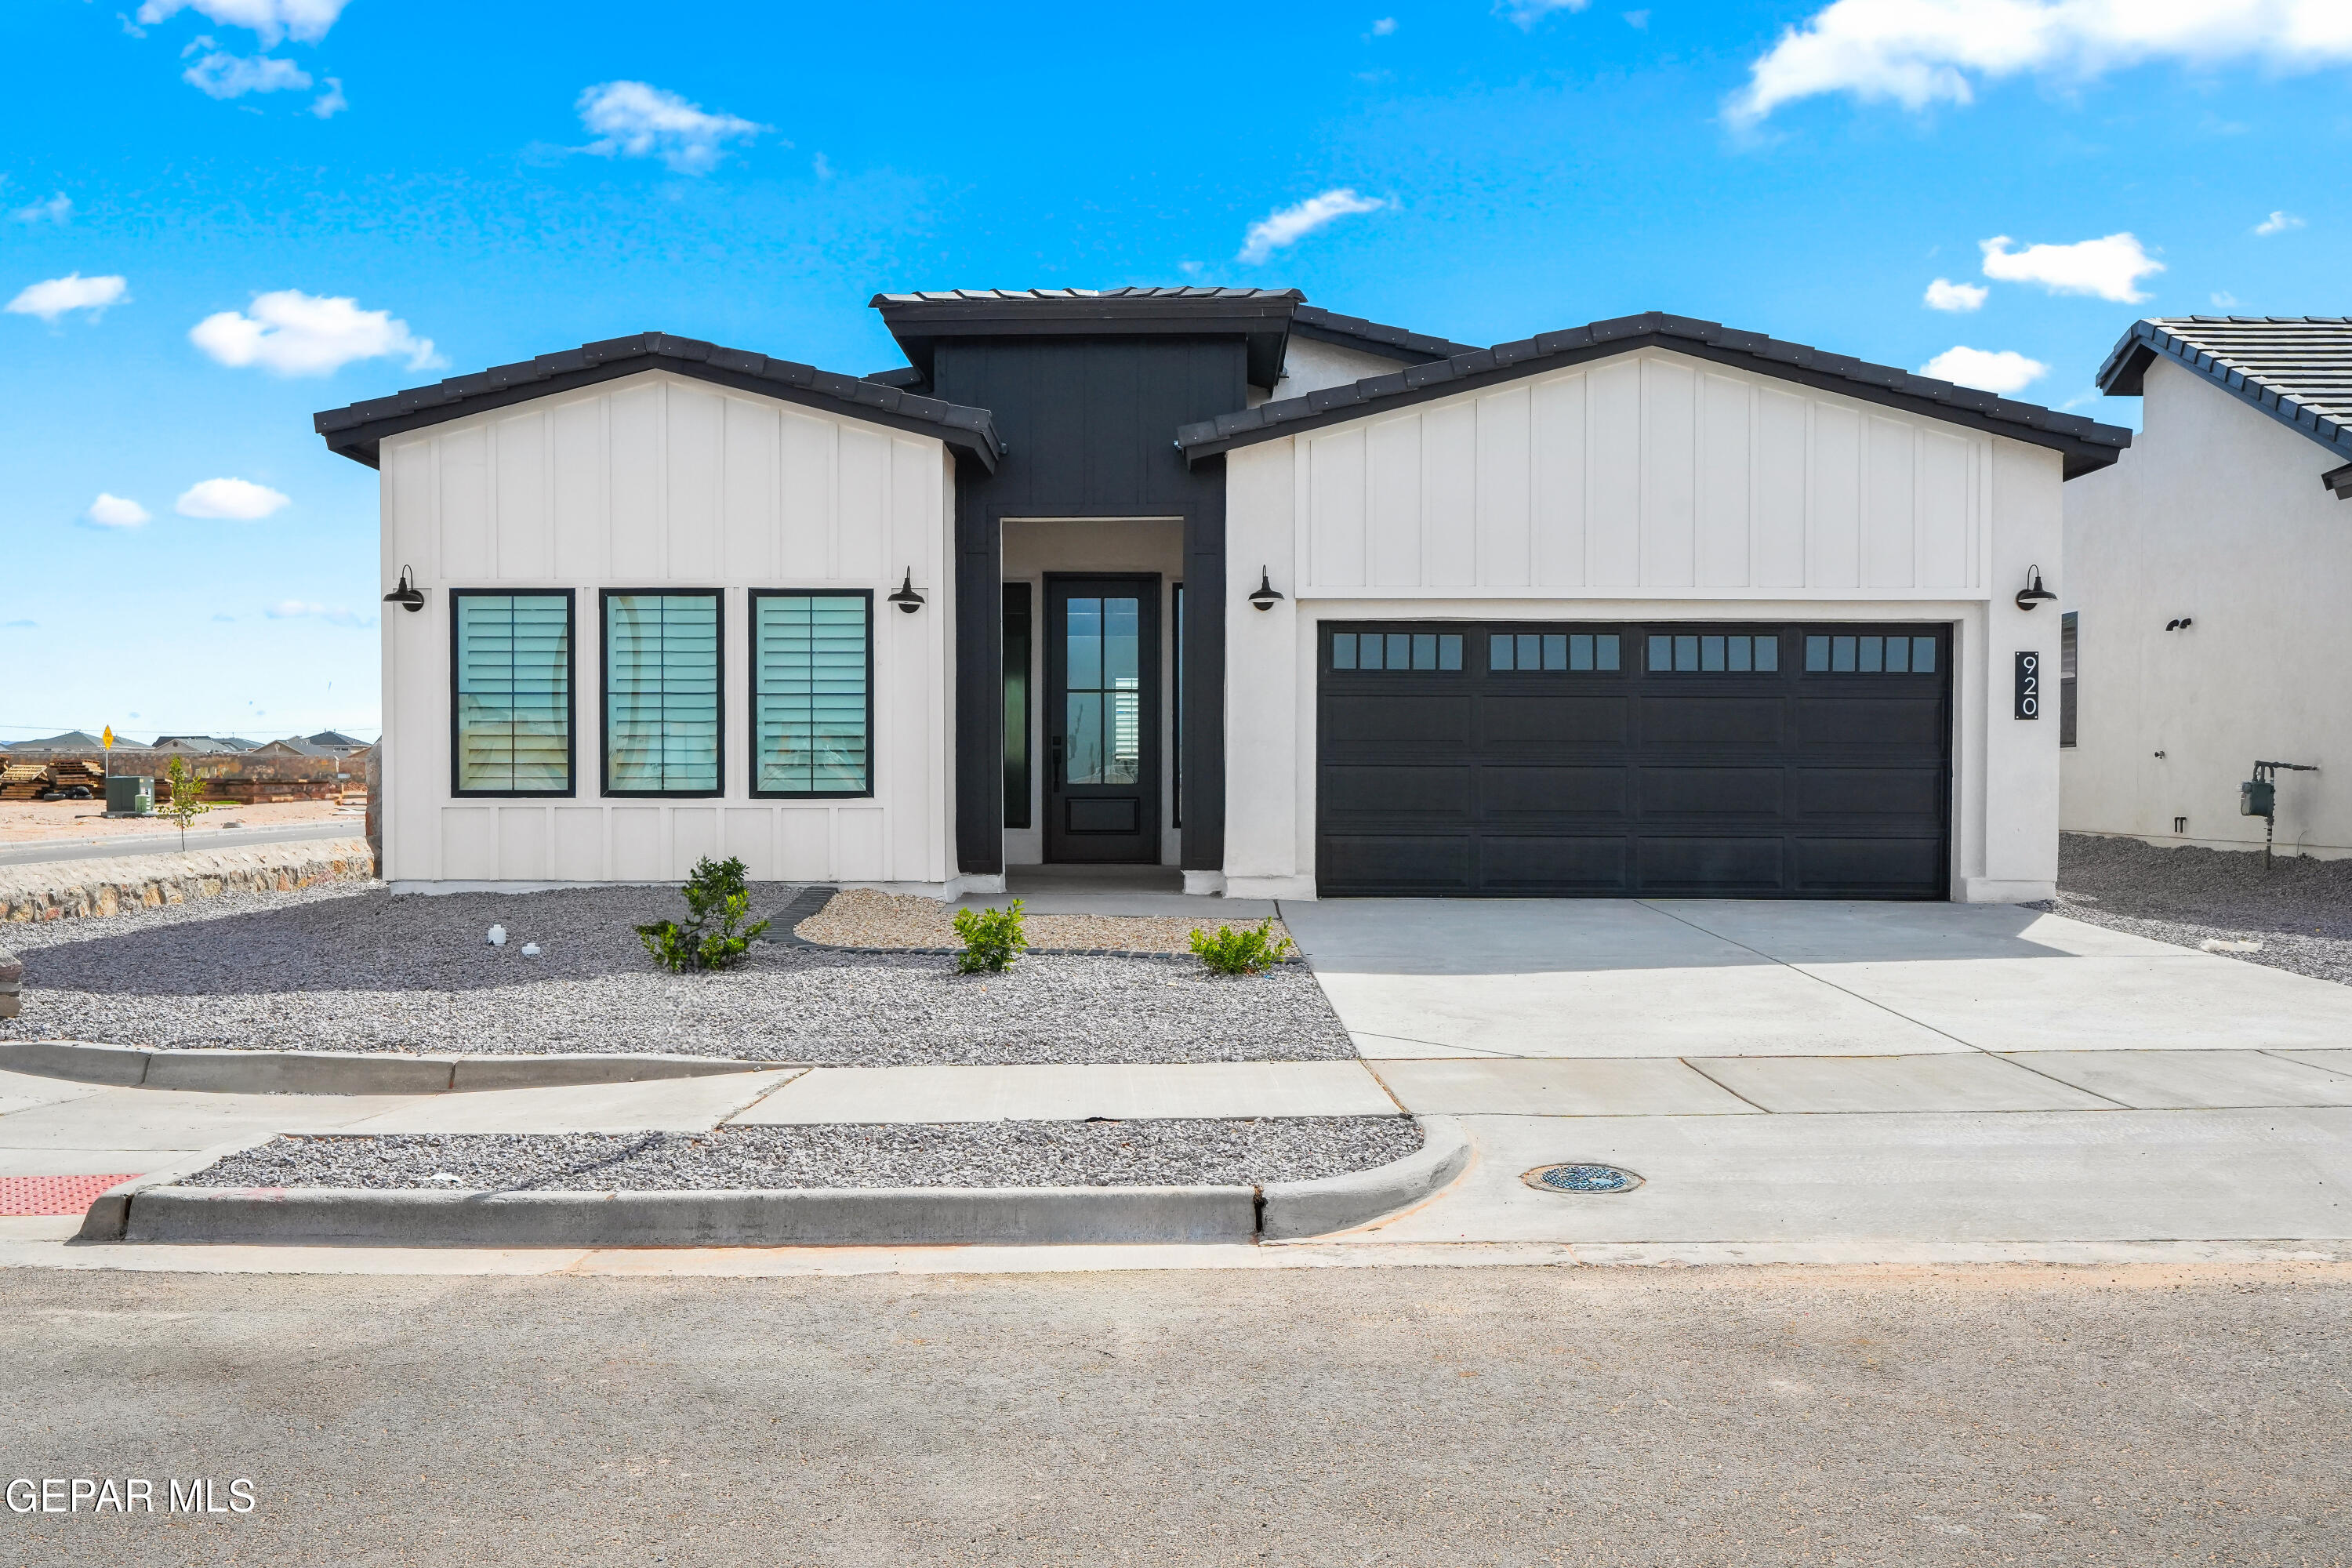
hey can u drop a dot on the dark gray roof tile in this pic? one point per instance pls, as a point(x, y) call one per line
point(2297, 368)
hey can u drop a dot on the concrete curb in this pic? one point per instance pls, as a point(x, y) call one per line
point(109, 1213)
point(860, 1217)
point(1294, 1209)
point(345, 1072)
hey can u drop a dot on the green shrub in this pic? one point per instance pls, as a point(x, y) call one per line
point(992, 940)
point(717, 902)
point(1243, 952)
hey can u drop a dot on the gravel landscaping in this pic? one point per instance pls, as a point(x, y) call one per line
point(327, 968)
point(2298, 913)
point(861, 917)
point(1167, 1151)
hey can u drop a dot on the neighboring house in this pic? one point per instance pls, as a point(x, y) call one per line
point(337, 742)
point(295, 746)
point(2208, 578)
point(71, 741)
point(1211, 578)
point(189, 746)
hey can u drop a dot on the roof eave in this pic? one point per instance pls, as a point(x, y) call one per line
point(2084, 445)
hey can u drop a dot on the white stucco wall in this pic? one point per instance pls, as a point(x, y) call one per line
point(2215, 513)
point(1650, 486)
point(651, 482)
point(1310, 365)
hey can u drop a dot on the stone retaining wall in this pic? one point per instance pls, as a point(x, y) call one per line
point(12, 982)
point(70, 890)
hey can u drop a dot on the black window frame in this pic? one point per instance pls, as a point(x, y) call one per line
point(751, 695)
point(2069, 655)
point(1020, 755)
point(571, 692)
point(605, 695)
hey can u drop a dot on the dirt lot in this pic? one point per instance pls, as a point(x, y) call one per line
point(47, 821)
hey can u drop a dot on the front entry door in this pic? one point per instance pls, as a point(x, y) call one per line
point(1102, 718)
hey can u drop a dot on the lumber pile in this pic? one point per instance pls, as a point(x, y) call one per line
point(23, 780)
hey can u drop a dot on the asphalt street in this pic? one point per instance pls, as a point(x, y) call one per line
point(162, 841)
point(2133, 1414)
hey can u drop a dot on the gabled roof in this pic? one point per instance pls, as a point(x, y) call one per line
point(337, 738)
point(2297, 368)
point(2086, 444)
point(358, 431)
point(1371, 337)
point(1262, 316)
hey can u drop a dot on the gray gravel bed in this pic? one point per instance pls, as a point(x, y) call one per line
point(329, 968)
point(1162, 1151)
point(2300, 911)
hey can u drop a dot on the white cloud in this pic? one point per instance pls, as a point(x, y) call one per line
point(2111, 268)
point(1944, 294)
point(54, 297)
point(294, 333)
point(2224, 300)
point(219, 75)
point(1919, 52)
point(57, 209)
point(114, 511)
point(639, 121)
point(232, 500)
point(1640, 19)
point(2278, 223)
point(1289, 226)
point(303, 609)
point(332, 103)
point(304, 21)
point(1385, 26)
point(2003, 372)
point(1528, 12)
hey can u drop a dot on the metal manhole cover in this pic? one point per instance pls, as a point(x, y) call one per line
point(1581, 1178)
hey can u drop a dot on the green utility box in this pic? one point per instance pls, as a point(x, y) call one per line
point(127, 797)
point(2257, 797)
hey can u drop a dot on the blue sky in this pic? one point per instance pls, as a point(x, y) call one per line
point(479, 183)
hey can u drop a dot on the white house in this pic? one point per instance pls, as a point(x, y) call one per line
point(2207, 591)
point(1212, 579)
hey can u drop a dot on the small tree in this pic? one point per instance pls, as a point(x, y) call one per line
point(187, 802)
point(718, 902)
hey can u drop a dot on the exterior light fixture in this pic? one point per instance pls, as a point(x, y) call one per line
point(906, 598)
point(2033, 593)
point(1266, 594)
point(408, 596)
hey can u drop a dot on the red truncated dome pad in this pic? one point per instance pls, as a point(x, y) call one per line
point(22, 1196)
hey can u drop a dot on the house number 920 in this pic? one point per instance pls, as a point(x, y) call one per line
point(2029, 686)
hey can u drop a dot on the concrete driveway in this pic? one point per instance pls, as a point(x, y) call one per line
point(1845, 1073)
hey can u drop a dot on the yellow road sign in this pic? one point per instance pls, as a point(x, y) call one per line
point(107, 739)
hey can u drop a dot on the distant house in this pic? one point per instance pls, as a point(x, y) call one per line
point(294, 746)
point(190, 746)
point(1213, 580)
point(337, 742)
point(71, 741)
point(2207, 579)
point(236, 743)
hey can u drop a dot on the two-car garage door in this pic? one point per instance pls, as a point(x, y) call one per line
point(1611, 760)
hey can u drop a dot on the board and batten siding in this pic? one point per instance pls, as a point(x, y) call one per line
point(661, 482)
point(1635, 475)
point(1652, 486)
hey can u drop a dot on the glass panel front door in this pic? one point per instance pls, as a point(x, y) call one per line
point(1104, 779)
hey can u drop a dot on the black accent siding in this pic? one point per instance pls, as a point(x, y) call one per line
point(1551, 782)
point(1089, 426)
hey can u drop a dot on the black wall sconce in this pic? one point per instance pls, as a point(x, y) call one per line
point(2182, 625)
point(1266, 594)
point(408, 596)
point(906, 598)
point(2033, 593)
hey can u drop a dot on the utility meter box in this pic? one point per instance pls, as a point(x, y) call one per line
point(2257, 797)
point(127, 797)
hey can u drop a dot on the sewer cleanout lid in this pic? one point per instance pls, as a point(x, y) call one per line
point(1581, 1177)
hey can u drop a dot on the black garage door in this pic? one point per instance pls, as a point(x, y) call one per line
point(1510, 759)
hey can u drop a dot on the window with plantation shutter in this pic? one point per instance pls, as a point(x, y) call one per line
point(812, 694)
point(511, 680)
point(661, 699)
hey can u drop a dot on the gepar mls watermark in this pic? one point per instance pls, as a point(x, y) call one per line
point(130, 1494)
